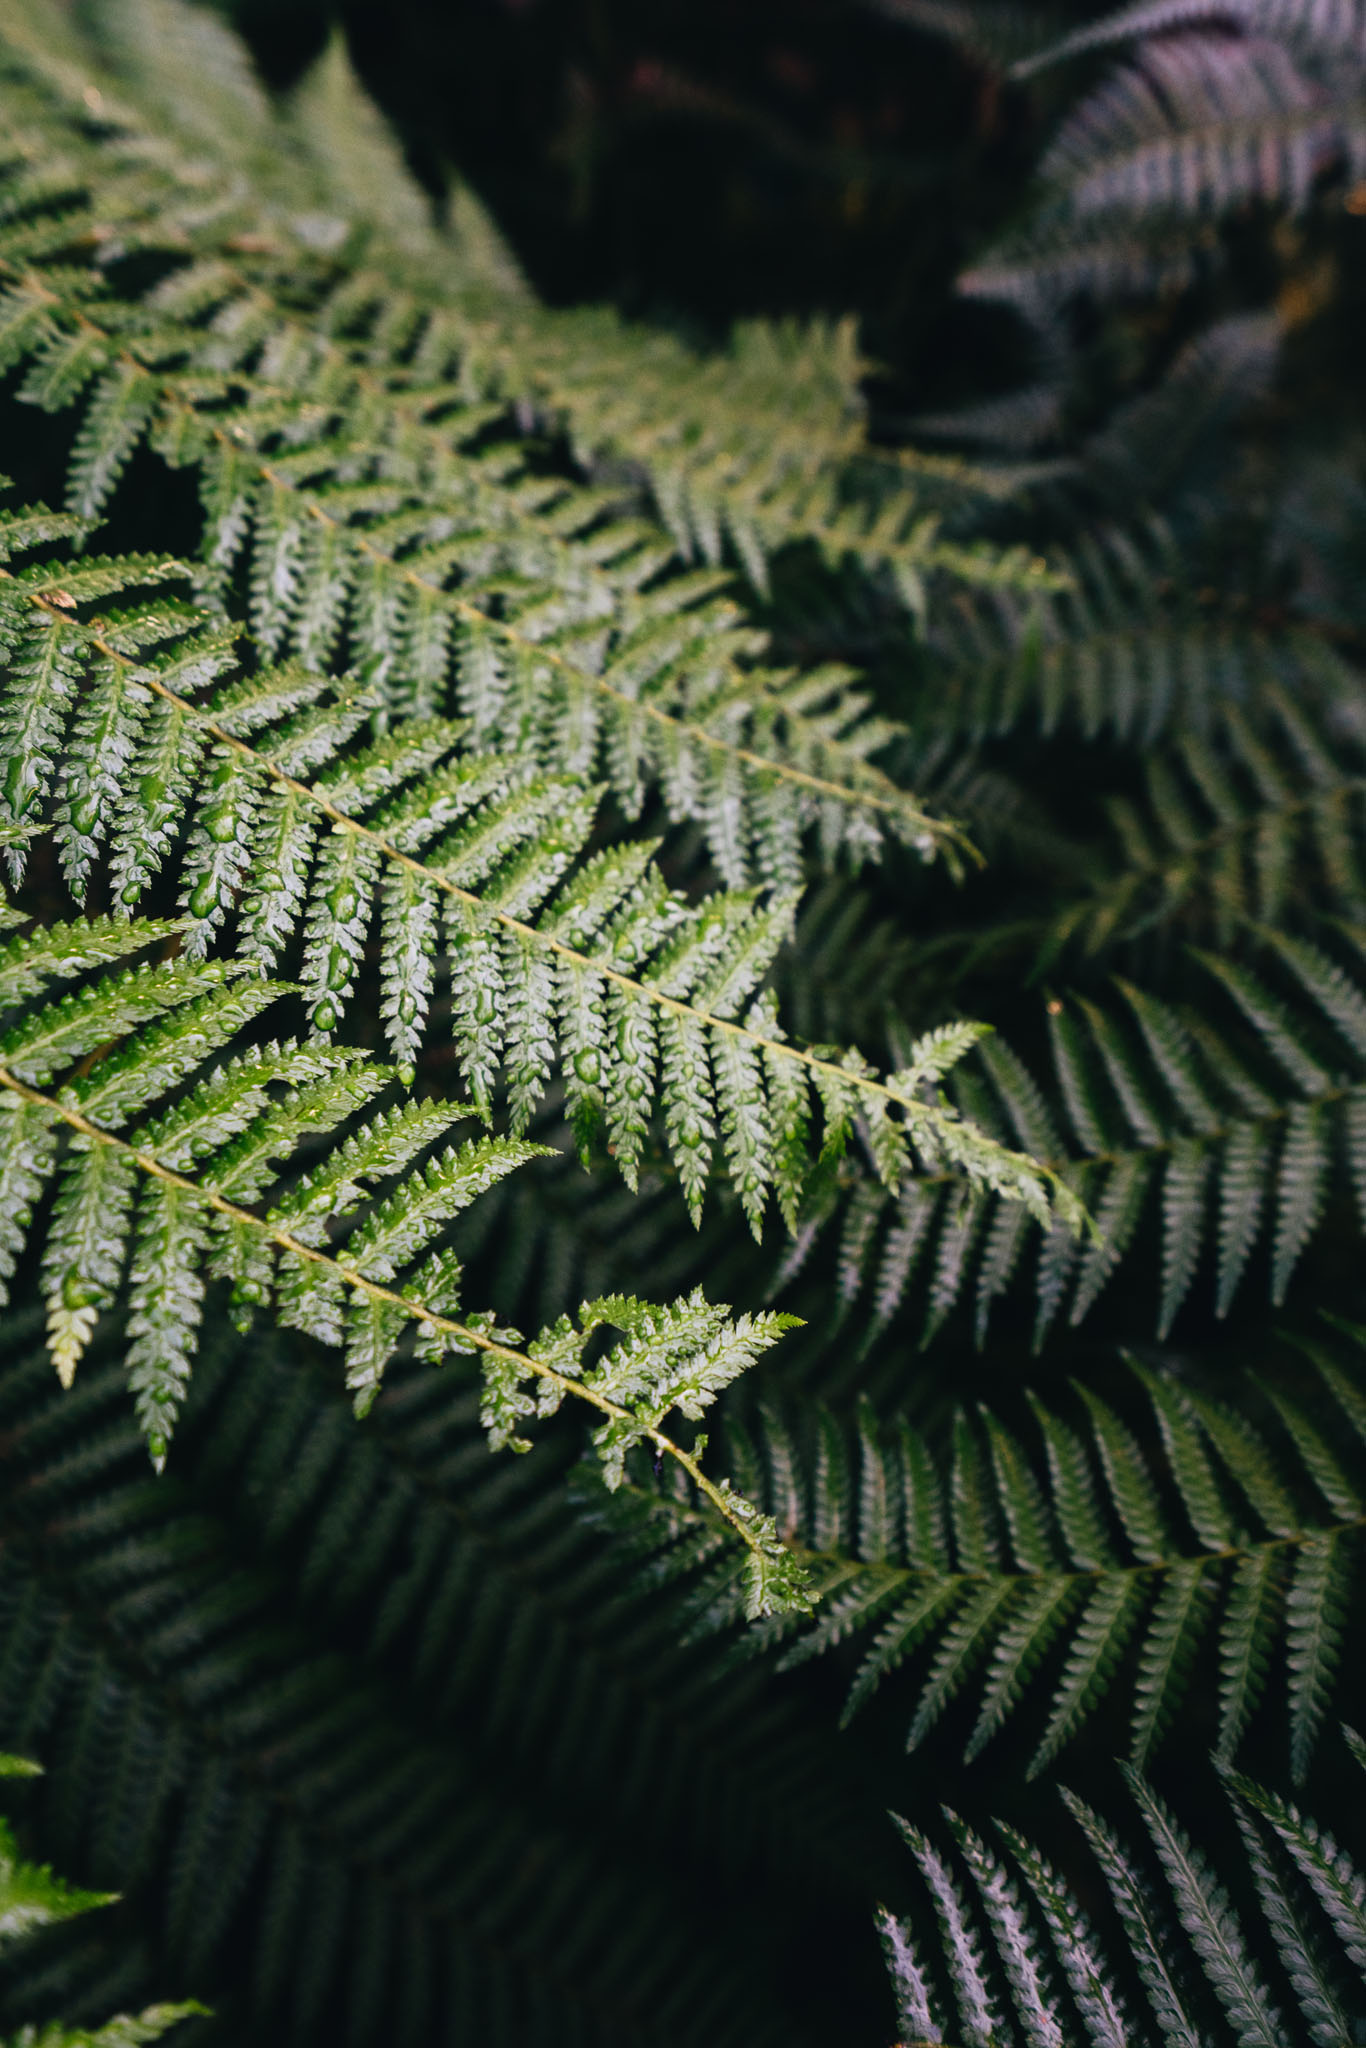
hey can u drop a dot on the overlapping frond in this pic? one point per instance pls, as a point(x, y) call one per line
point(362, 1728)
point(373, 524)
point(1230, 1126)
point(746, 450)
point(174, 1176)
point(1094, 1555)
point(344, 421)
point(556, 963)
point(1130, 651)
point(1254, 822)
point(1253, 819)
point(1017, 1947)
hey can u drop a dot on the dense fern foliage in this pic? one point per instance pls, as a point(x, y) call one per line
point(517, 833)
point(1211, 1985)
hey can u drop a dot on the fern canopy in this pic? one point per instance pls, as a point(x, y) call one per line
point(500, 807)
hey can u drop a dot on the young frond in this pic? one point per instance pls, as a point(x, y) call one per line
point(1018, 1924)
point(1095, 1559)
point(555, 961)
point(158, 1196)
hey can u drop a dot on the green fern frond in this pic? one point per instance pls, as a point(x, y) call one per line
point(747, 451)
point(641, 996)
point(368, 521)
point(1017, 1924)
point(1098, 1558)
point(166, 1195)
point(343, 472)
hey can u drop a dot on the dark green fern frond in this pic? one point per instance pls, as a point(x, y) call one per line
point(1129, 651)
point(1096, 1558)
point(363, 1728)
point(1016, 1946)
point(1233, 1125)
point(1255, 819)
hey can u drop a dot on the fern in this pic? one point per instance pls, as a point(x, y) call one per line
point(1253, 819)
point(129, 1200)
point(349, 480)
point(1017, 1941)
point(32, 1898)
point(1041, 1573)
point(616, 971)
point(446, 726)
point(1218, 106)
point(363, 1725)
point(746, 451)
point(1131, 651)
point(1228, 1128)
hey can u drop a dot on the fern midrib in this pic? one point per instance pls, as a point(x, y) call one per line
point(842, 1570)
point(416, 1310)
point(888, 799)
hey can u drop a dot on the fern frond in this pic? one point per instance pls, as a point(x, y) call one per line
point(1252, 819)
point(32, 1898)
point(1100, 1558)
point(348, 483)
point(126, 1197)
point(1231, 1129)
point(643, 997)
point(394, 1654)
point(1128, 651)
point(1034, 1937)
point(1217, 107)
point(1309, 23)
